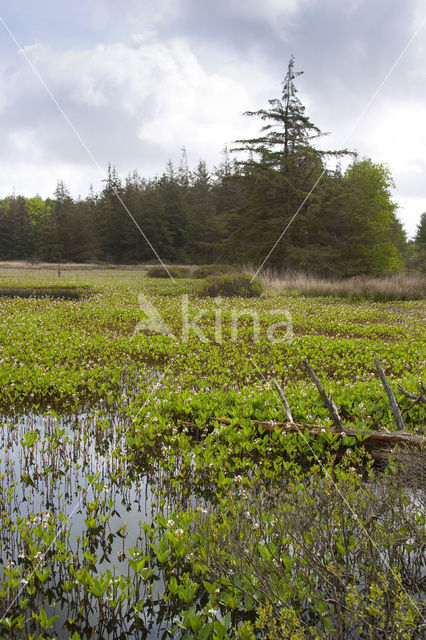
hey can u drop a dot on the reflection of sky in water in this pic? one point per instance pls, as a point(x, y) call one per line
point(48, 459)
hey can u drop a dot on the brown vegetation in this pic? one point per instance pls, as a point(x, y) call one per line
point(405, 286)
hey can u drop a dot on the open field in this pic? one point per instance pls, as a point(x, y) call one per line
point(123, 525)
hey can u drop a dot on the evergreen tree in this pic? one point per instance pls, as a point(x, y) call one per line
point(203, 231)
point(155, 222)
point(112, 218)
point(54, 237)
point(19, 234)
point(288, 132)
point(280, 173)
point(63, 223)
point(176, 214)
point(347, 226)
point(420, 237)
point(84, 247)
point(418, 260)
point(228, 191)
point(4, 232)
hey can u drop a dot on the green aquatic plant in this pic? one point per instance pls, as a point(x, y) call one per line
point(119, 519)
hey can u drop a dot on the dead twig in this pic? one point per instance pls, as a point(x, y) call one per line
point(325, 398)
point(284, 401)
point(393, 403)
point(421, 398)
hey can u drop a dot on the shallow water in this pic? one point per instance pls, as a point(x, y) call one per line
point(75, 477)
point(53, 465)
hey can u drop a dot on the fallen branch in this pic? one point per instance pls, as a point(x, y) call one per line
point(407, 394)
point(325, 398)
point(416, 399)
point(369, 439)
point(393, 403)
point(284, 401)
point(379, 444)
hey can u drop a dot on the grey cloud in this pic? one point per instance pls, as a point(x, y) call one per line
point(345, 49)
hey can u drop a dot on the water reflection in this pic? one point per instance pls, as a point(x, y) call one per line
point(69, 483)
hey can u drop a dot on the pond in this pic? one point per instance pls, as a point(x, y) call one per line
point(72, 500)
point(79, 500)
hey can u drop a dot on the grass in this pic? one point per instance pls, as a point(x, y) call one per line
point(407, 286)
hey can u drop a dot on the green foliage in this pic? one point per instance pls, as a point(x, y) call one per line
point(288, 625)
point(208, 270)
point(231, 531)
point(69, 292)
point(232, 285)
point(175, 272)
point(418, 247)
point(373, 235)
point(76, 350)
point(420, 238)
point(313, 556)
point(37, 208)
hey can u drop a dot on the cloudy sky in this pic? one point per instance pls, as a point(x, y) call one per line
point(140, 79)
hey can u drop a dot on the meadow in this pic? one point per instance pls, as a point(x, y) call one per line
point(116, 521)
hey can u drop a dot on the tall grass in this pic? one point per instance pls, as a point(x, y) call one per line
point(405, 286)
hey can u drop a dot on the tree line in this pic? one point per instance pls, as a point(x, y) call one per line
point(335, 222)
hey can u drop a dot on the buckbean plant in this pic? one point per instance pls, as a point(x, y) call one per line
point(118, 520)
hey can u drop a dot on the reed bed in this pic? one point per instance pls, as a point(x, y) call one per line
point(405, 286)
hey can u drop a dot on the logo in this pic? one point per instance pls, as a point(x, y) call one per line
point(225, 323)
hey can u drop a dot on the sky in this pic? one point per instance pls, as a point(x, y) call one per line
point(132, 82)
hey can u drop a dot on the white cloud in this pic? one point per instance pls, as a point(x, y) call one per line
point(31, 178)
point(410, 211)
point(150, 13)
point(24, 140)
point(149, 94)
point(419, 13)
point(279, 14)
point(137, 100)
point(401, 131)
point(192, 105)
point(393, 133)
point(123, 76)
